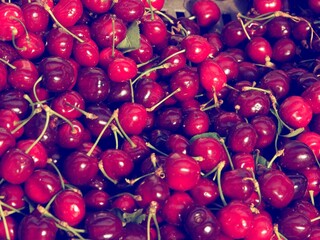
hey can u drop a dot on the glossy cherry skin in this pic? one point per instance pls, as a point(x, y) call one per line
point(138, 152)
point(266, 129)
point(295, 111)
point(279, 27)
point(125, 202)
point(236, 219)
point(7, 140)
point(13, 15)
point(9, 120)
point(134, 231)
point(106, 55)
point(195, 122)
point(306, 208)
point(205, 192)
point(116, 163)
point(276, 188)
point(68, 12)
point(224, 121)
point(232, 34)
point(157, 4)
point(42, 185)
point(103, 225)
point(70, 136)
point(294, 225)
point(297, 155)
point(200, 223)
point(169, 118)
point(311, 95)
point(144, 53)
point(79, 168)
point(13, 195)
point(132, 118)
point(259, 50)
point(57, 72)
point(243, 160)
point(177, 143)
point(169, 231)
point(97, 6)
point(262, 227)
point(152, 188)
point(266, 6)
point(30, 46)
point(69, 206)
point(174, 207)
point(16, 166)
point(153, 29)
point(86, 53)
point(14, 101)
point(176, 62)
point(197, 48)
point(34, 226)
point(212, 76)
point(207, 12)
point(122, 69)
point(96, 199)
point(182, 172)
point(38, 152)
point(129, 11)
point(242, 138)
point(313, 178)
point(284, 50)
point(211, 150)
point(312, 140)
point(35, 16)
point(59, 43)
point(12, 227)
point(236, 184)
point(102, 33)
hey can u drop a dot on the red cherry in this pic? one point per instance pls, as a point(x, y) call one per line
point(157, 4)
point(98, 6)
point(154, 29)
point(11, 227)
point(7, 140)
point(205, 192)
point(129, 10)
point(312, 140)
point(122, 69)
point(262, 227)
point(182, 172)
point(59, 43)
point(38, 152)
point(207, 12)
point(266, 6)
point(86, 53)
point(35, 16)
point(197, 48)
point(68, 12)
point(13, 195)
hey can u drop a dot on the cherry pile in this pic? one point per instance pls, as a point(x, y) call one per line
point(120, 121)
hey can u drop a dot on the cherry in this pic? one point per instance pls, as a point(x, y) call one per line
point(205, 192)
point(134, 231)
point(14, 101)
point(144, 53)
point(212, 76)
point(235, 219)
point(132, 118)
point(313, 178)
point(125, 202)
point(301, 31)
point(267, 6)
point(129, 11)
point(174, 59)
point(96, 199)
point(122, 69)
point(86, 53)
point(152, 188)
point(284, 50)
point(157, 4)
point(12, 18)
point(236, 184)
point(68, 12)
point(169, 231)
point(9, 121)
point(300, 183)
point(187, 81)
point(13, 195)
point(95, 90)
point(311, 97)
point(229, 65)
point(70, 135)
point(16, 166)
point(34, 226)
point(307, 209)
point(30, 46)
point(243, 160)
point(103, 32)
point(279, 27)
point(169, 119)
point(294, 225)
point(276, 188)
point(120, 92)
point(242, 138)
point(57, 72)
point(197, 48)
point(211, 150)
point(174, 207)
point(311, 139)
point(182, 172)
point(97, 6)
point(232, 34)
point(106, 55)
point(116, 163)
point(69, 206)
point(314, 6)
point(224, 121)
point(36, 18)
point(259, 50)
point(38, 152)
point(42, 185)
point(207, 12)
point(200, 223)
point(139, 151)
point(103, 225)
point(262, 227)
point(195, 122)
point(153, 28)
point(11, 226)
point(177, 143)
point(295, 111)
point(266, 129)
point(7, 140)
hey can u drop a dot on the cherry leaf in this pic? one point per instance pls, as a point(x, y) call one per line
point(132, 40)
point(207, 134)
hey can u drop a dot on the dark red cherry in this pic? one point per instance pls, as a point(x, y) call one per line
point(195, 122)
point(232, 34)
point(215, 41)
point(138, 152)
point(279, 27)
point(38, 152)
point(182, 172)
point(248, 71)
point(311, 96)
point(312, 140)
point(96, 199)
point(122, 69)
point(128, 11)
point(70, 135)
point(14, 101)
point(266, 6)
point(125, 202)
point(7, 140)
point(313, 178)
point(12, 195)
point(97, 6)
point(197, 48)
point(169, 231)
point(144, 53)
point(295, 111)
point(266, 129)
point(284, 50)
point(86, 53)
point(153, 28)
point(200, 223)
point(224, 121)
point(306, 208)
point(276, 188)
point(259, 50)
point(205, 192)
point(229, 65)
point(68, 12)
point(42, 185)
point(69, 206)
point(207, 12)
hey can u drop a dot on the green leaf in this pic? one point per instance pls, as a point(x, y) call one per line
point(279, 128)
point(207, 135)
point(132, 39)
point(136, 217)
point(262, 161)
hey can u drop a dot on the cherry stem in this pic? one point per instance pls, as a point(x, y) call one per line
point(52, 112)
point(153, 214)
point(131, 90)
point(34, 89)
point(14, 210)
point(171, 56)
point(14, 33)
point(100, 165)
point(151, 9)
point(46, 124)
point(86, 114)
point(278, 234)
point(278, 154)
point(311, 194)
point(47, 8)
point(113, 37)
point(8, 64)
point(101, 133)
point(211, 172)
point(25, 29)
point(219, 170)
point(49, 161)
point(154, 160)
point(256, 185)
point(162, 66)
point(133, 145)
point(147, 62)
point(149, 145)
point(115, 131)
point(163, 100)
point(133, 181)
point(164, 15)
point(60, 223)
point(5, 224)
point(227, 152)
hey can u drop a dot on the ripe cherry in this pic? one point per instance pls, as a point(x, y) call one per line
point(266, 6)
point(262, 227)
point(153, 28)
point(175, 62)
point(311, 96)
point(97, 6)
point(38, 152)
point(86, 53)
point(144, 53)
point(68, 12)
point(35, 16)
point(128, 11)
point(197, 48)
point(259, 50)
point(207, 12)
point(157, 4)
point(312, 140)
point(205, 192)
point(12, 195)
point(195, 122)
point(122, 69)
point(96, 199)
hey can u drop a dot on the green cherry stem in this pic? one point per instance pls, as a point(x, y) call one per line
point(149, 145)
point(171, 56)
point(145, 73)
point(100, 165)
point(163, 100)
point(221, 165)
point(278, 154)
point(8, 64)
point(5, 224)
point(51, 163)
